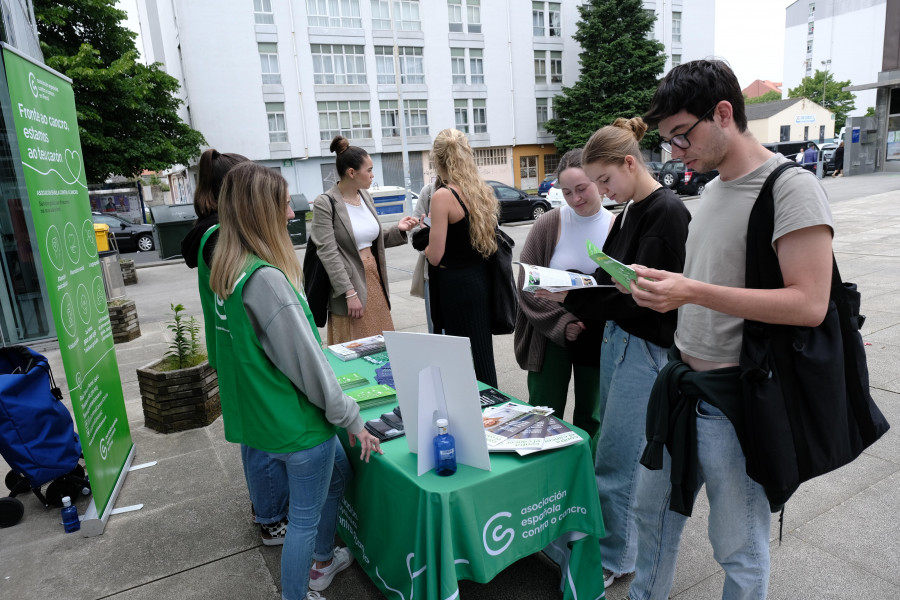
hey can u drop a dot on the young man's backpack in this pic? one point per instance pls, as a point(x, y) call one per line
point(807, 407)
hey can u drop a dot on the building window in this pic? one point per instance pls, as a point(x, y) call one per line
point(349, 118)
point(811, 28)
point(812, 9)
point(473, 15)
point(808, 66)
point(543, 114)
point(415, 114)
point(490, 157)
point(337, 64)
point(785, 134)
point(541, 58)
point(458, 65)
point(461, 115)
point(406, 15)
point(262, 12)
point(331, 13)
point(676, 27)
point(384, 64)
point(268, 58)
point(676, 60)
point(545, 19)
point(551, 163)
point(821, 133)
point(809, 46)
point(277, 126)
point(479, 116)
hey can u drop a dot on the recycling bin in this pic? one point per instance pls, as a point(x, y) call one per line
point(171, 222)
point(101, 232)
point(297, 225)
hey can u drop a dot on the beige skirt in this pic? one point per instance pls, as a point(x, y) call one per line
point(376, 314)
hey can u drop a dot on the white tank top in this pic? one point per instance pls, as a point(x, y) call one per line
point(365, 226)
point(570, 251)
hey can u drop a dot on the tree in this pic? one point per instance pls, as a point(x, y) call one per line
point(767, 97)
point(836, 100)
point(620, 66)
point(127, 111)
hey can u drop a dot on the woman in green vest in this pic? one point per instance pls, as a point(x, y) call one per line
point(279, 395)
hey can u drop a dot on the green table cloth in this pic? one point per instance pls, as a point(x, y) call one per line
point(416, 537)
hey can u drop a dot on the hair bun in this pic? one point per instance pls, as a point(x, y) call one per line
point(339, 144)
point(635, 125)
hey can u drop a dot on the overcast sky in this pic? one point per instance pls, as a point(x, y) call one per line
point(750, 35)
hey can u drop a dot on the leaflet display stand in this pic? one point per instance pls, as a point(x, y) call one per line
point(435, 378)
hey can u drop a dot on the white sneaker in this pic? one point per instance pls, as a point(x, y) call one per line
point(319, 579)
point(315, 596)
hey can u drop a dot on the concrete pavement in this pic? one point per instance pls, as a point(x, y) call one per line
point(194, 539)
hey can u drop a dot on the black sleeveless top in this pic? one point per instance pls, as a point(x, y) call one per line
point(458, 250)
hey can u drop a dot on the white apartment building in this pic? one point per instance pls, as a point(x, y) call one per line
point(844, 38)
point(276, 80)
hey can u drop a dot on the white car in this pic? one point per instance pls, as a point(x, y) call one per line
point(556, 199)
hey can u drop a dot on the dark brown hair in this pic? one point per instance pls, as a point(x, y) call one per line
point(569, 160)
point(213, 167)
point(348, 157)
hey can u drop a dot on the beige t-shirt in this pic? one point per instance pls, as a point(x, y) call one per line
point(717, 248)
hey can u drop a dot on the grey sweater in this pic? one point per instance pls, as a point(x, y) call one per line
point(288, 340)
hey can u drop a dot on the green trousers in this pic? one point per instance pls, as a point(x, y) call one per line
point(550, 387)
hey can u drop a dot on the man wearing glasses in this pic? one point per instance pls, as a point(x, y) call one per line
point(699, 110)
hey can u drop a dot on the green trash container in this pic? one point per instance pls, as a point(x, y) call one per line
point(297, 225)
point(171, 222)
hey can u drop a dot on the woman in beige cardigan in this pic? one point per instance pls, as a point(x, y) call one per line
point(351, 243)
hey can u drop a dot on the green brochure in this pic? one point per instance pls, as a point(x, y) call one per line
point(351, 380)
point(621, 273)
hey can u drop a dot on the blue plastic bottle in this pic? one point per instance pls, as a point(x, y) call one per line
point(70, 516)
point(444, 450)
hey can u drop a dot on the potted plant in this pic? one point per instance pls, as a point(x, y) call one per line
point(181, 390)
point(123, 320)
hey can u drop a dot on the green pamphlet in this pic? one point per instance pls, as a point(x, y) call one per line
point(621, 273)
point(373, 395)
point(351, 380)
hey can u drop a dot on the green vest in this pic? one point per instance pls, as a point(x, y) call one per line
point(207, 299)
point(261, 407)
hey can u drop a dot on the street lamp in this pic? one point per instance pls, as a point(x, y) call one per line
point(826, 64)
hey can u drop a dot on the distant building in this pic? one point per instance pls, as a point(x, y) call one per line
point(761, 87)
point(275, 80)
point(790, 120)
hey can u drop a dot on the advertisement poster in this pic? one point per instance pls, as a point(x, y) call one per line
point(43, 108)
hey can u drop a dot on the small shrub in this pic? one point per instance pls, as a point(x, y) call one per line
point(185, 350)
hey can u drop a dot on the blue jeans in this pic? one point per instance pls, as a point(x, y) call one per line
point(628, 367)
point(267, 484)
point(739, 518)
point(316, 478)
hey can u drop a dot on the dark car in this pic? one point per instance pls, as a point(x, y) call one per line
point(129, 237)
point(546, 184)
point(789, 149)
point(655, 167)
point(675, 176)
point(828, 156)
point(516, 205)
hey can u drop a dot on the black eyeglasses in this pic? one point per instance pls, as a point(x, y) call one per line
point(681, 140)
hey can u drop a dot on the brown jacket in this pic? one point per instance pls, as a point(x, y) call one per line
point(539, 320)
point(338, 253)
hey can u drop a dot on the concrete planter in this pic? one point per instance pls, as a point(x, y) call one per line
point(129, 274)
point(124, 321)
point(180, 399)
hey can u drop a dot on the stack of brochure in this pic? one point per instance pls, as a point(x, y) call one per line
point(351, 380)
point(358, 348)
point(554, 280)
point(525, 429)
point(373, 395)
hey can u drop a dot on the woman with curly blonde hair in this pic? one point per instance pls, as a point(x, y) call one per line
point(462, 238)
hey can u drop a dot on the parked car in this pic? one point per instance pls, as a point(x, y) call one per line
point(129, 237)
point(556, 199)
point(655, 167)
point(546, 184)
point(675, 176)
point(516, 205)
point(789, 149)
point(828, 149)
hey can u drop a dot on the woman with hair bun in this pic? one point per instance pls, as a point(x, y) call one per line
point(462, 238)
point(652, 228)
point(351, 243)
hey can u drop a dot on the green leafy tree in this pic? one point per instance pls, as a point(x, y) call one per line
point(870, 112)
point(767, 97)
point(620, 66)
point(127, 111)
point(837, 101)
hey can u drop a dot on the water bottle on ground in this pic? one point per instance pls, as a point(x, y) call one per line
point(70, 516)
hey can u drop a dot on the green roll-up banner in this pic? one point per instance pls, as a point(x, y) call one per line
point(43, 110)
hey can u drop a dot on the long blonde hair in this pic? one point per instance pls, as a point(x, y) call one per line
point(252, 216)
point(455, 162)
point(611, 144)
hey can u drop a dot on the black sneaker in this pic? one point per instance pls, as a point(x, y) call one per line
point(273, 533)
